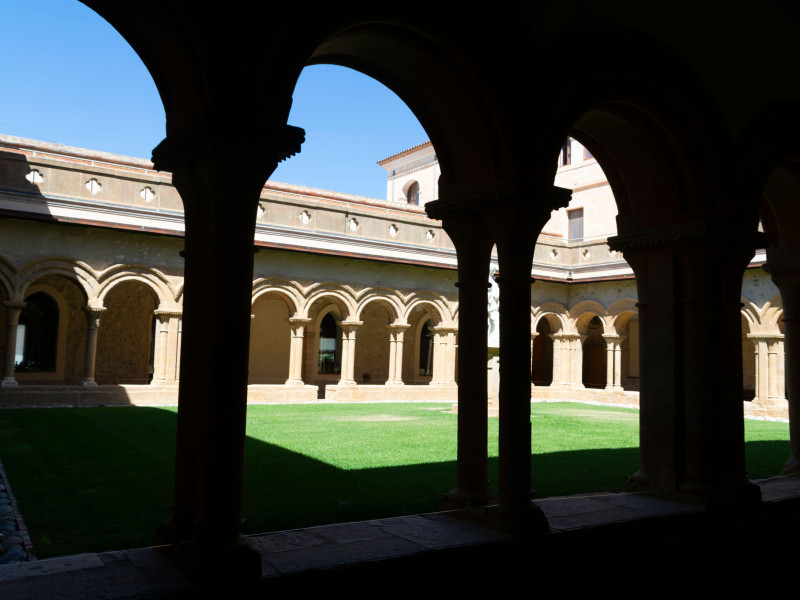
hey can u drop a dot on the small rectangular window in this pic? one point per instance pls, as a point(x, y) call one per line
point(575, 218)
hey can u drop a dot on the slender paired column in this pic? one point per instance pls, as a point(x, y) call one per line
point(689, 279)
point(444, 359)
point(298, 327)
point(559, 362)
point(515, 222)
point(473, 245)
point(93, 324)
point(613, 362)
point(349, 329)
point(396, 333)
point(220, 189)
point(165, 355)
point(13, 310)
point(786, 275)
point(533, 338)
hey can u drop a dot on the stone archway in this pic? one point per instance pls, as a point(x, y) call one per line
point(125, 340)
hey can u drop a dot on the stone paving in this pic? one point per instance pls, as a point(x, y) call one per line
point(408, 552)
point(15, 543)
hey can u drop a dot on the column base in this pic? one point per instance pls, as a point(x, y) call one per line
point(346, 382)
point(294, 382)
point(227, 565)
point(457, 499)
point(791, 468)
point(89, 383)
point(709, 497)
point(396, 382)
point(8, 382)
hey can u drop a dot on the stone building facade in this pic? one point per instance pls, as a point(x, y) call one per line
point(352, 298)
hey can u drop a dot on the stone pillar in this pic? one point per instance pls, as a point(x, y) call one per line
point(473, 245)
point(618, 365)
point(298, 325)
point(396, 333)
point(219, 166)
point(13, 310)
point(164, 354)
point(533, 338)
point(559, 380)
point(443, 371)
point(689, 281)
point(786, 275)
point(515, 221)
point(613, 362)
point(349, 351)
point(93, 324)
point(576, 361)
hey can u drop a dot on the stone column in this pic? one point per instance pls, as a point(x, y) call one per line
point(219, 165)
point(93, 324)
point(786, 275)
point(349, 351)
point(298, 326)
point(515, 220)
point(772, 367)
point(613, 362)
point(689, 281)
point(576, 361)
point(443, 371)
point(473, 245)
point(396, 334)
point(175, 358)
point(164, 355)
point(13, 310)
point(618, 364)
point(533, 338)
point(609, 362)
point(559, 363)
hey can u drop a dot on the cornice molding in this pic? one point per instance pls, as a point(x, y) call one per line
point(694, 231)
point(493, 195)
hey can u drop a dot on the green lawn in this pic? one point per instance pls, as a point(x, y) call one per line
point(101, 478)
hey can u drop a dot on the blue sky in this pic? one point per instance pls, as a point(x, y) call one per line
point(68, 77)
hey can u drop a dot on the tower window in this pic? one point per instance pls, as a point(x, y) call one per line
point(413, 194)
point(575, 218)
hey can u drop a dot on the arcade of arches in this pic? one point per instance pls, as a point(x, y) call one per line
point(696, 133)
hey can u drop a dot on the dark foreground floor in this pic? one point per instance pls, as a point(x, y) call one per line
point(607, 545)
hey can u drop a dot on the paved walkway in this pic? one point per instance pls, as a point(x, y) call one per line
point(411, 553)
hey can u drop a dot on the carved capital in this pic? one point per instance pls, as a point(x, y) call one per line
point(12, 304)
point(93, 315)
point(263, 141)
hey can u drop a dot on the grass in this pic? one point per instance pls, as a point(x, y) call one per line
point(96, 479)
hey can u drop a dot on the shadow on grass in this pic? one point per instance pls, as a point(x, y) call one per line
point(101, 479)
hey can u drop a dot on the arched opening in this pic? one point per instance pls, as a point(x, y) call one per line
point(69, 342)
point(37, 335)
point(425, 364)
point(412, 195)
point(372, 344)
point(329, 352)
point(542, 354)
point(594, 355)
point(125, 337)
point(270, 337)
point(748, 363)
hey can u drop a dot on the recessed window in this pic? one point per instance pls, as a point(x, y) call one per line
point(575, 218)
point(413, 194)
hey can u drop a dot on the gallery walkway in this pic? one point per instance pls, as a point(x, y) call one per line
point(591, 551)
